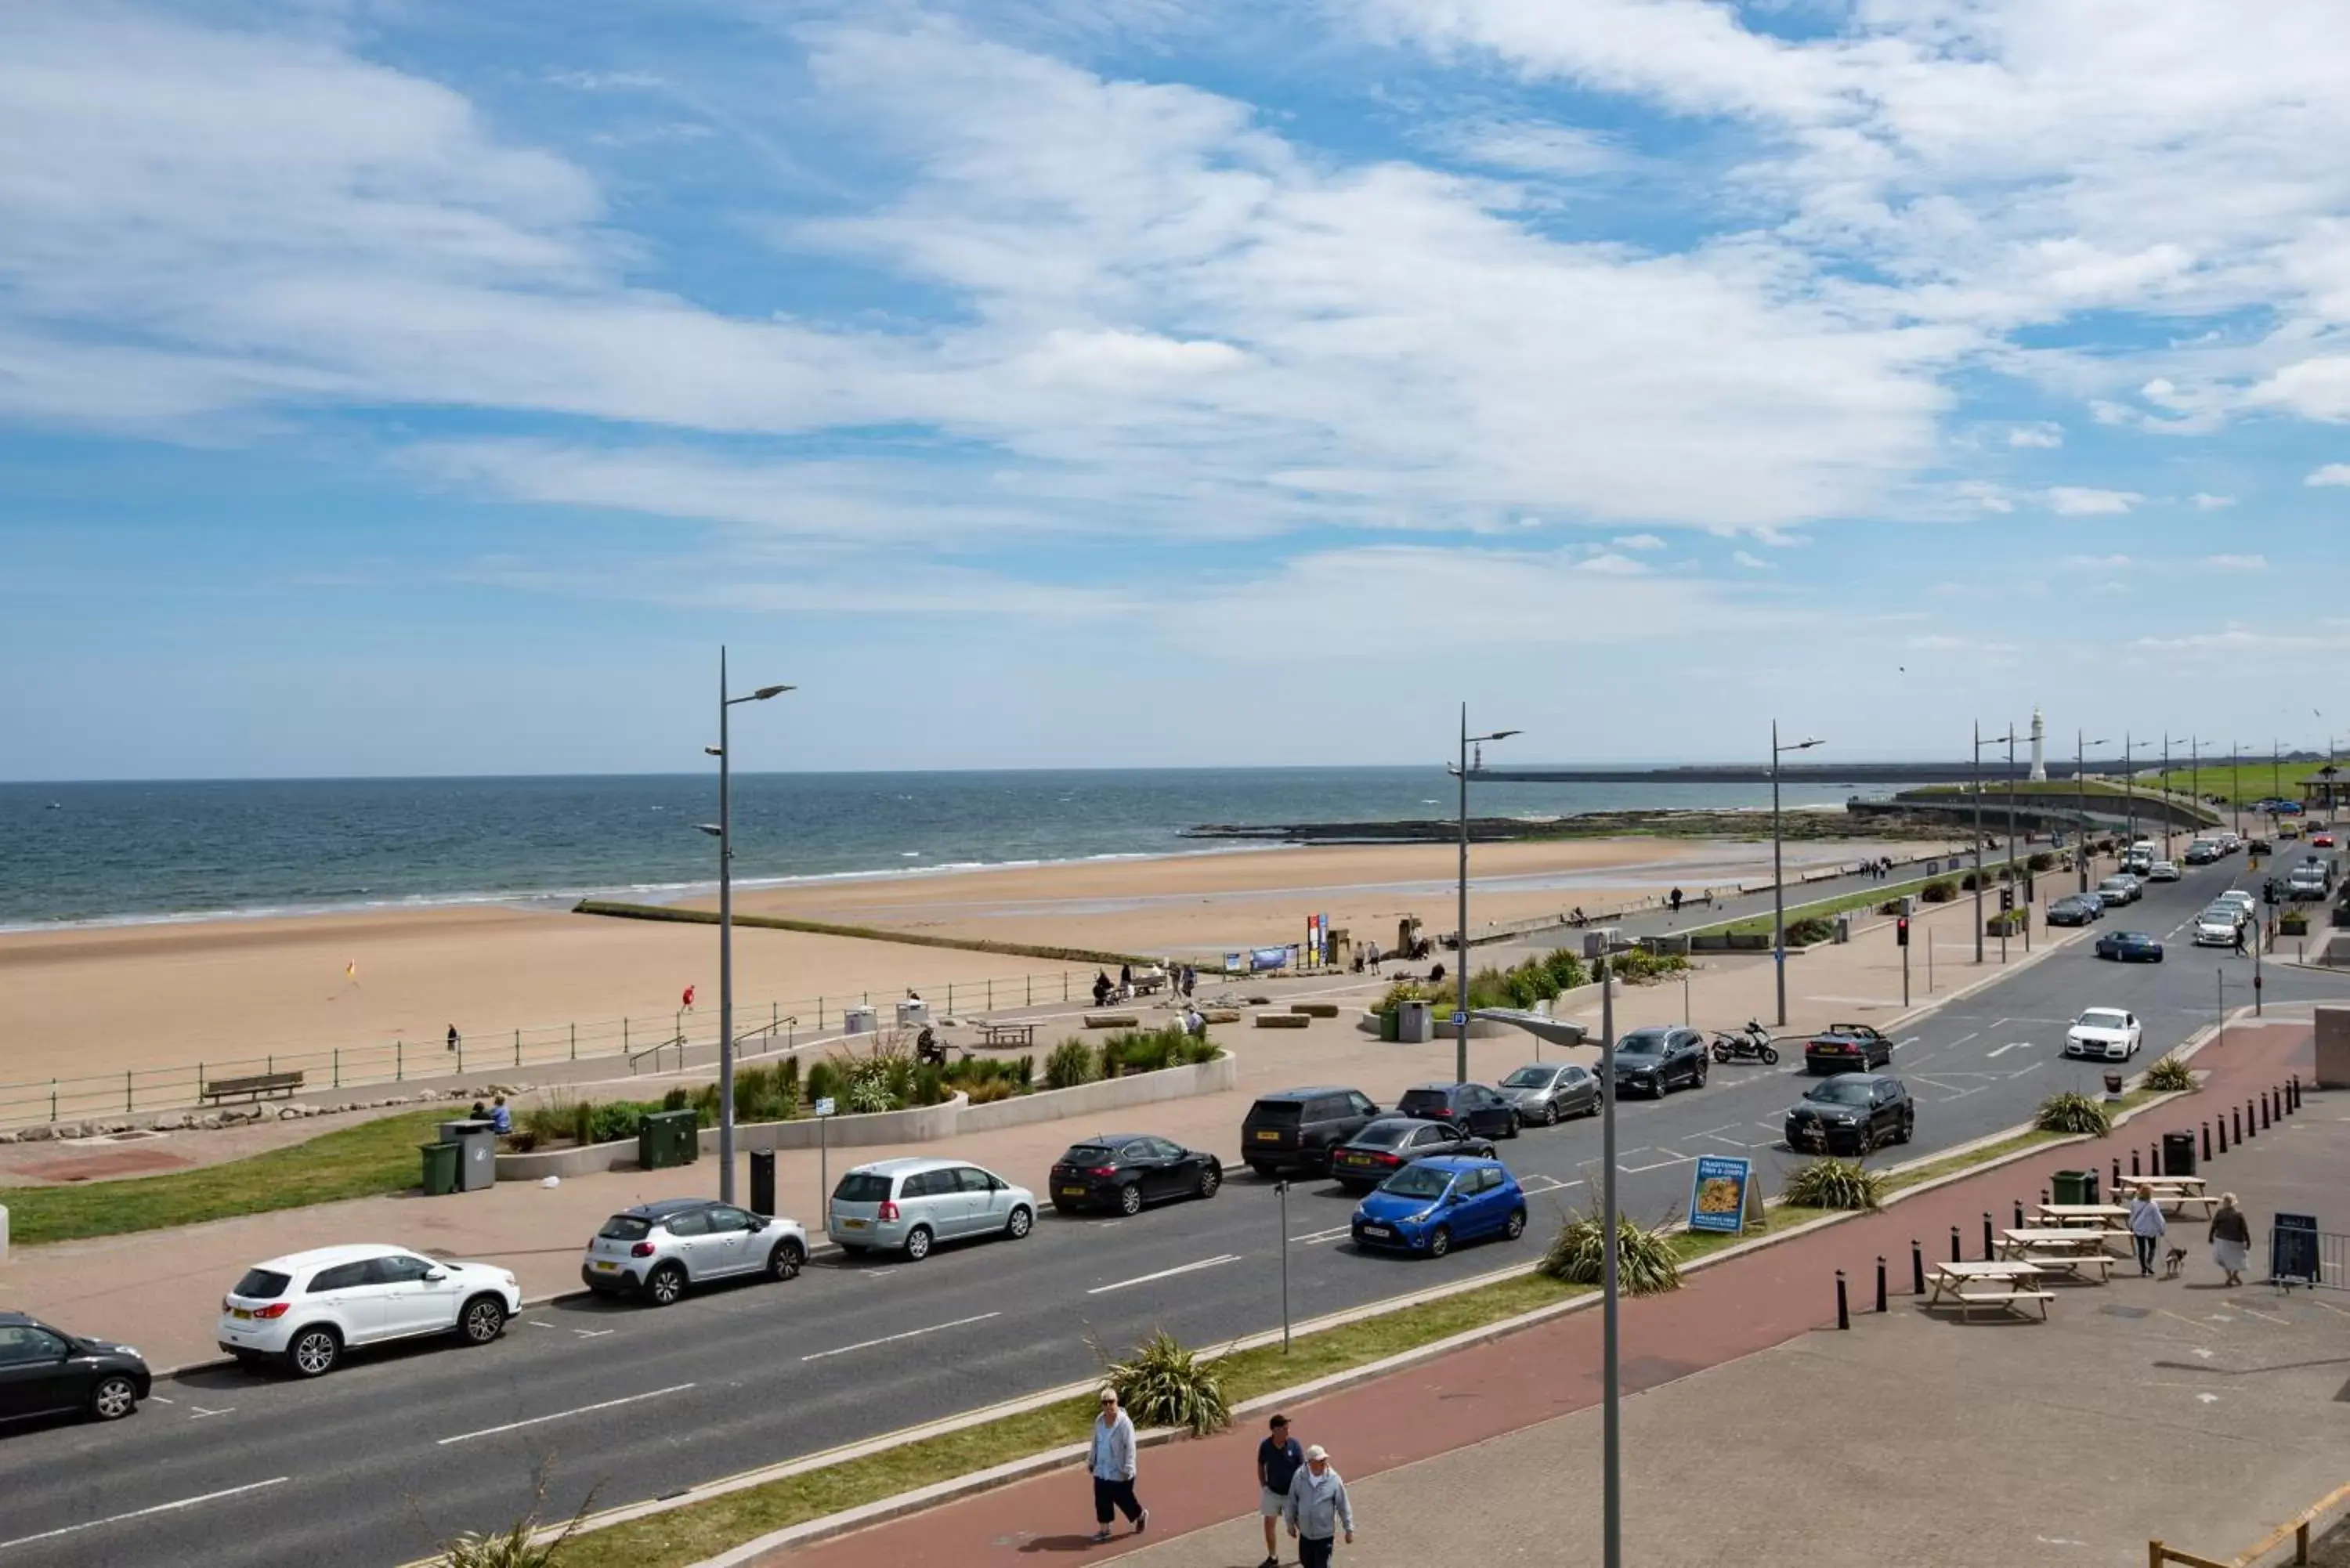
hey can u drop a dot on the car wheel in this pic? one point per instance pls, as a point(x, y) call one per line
point(1440, 1242)
point(1516, 1125)
point(483, 1319)
point(917, 1243)
point(1699, 1080)
point(1017, 1225)
point(665, 1284)
point(785, 1261)
point(1129, 1200)
point(1550, 1113)
point(314, 1352)
point(113, 1398)
point(1516, 1226)
point(1212, 1178)
point(1908, 1126)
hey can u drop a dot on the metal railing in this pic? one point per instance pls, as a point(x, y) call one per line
point(2321, 1251)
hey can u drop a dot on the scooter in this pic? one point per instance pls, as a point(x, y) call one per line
point(1751, 1045)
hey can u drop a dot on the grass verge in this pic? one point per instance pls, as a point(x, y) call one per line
point(1952, 1164)
point(367, 1160)
point(1867, 898)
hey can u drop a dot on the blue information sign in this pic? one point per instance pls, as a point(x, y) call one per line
point(2293, 1250)
point(1718, 1194)
point(1458, 1018)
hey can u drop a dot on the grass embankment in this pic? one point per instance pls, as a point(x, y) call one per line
point(1819, 909)
point(363, 1162)
point(862, 933)
point(1951, 1164)
point(2249, 781)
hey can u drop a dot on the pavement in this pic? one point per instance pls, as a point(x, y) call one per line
point(2174, 1408)
point(735, 1378)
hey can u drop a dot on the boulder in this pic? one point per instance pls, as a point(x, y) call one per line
point(210, 1121)
point(39, 1132)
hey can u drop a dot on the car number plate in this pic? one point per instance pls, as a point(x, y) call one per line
point(852, 1224)
point(245, 1314)
point(1073, 1192)
point(1377, 1231)
point(1268, 1137)
point(609, 1268)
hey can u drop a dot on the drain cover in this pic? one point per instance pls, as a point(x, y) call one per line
point(2127, 1312)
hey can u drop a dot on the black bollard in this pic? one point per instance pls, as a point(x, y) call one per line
point(2236, 1123)
point(1987, 1250)
point(1954, 1244)
point(1916, 1268)
point(2207, 1143)
point(2154, 1157)
point(2018, 1213)
point(2134, 1170)
point(2117, 1173)
point(2252, 1118)
point(1844, 1310)
point(1880, 1282)
point(2296, 1086)
point(2223, 1133)
point(2264, 1112)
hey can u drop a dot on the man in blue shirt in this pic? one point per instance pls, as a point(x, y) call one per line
point(1278, 1461)
point(501, 1117)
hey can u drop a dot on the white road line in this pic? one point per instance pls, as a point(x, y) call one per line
point(1168, 1274)
point(1676, 1159)
point(200, 1412)
point(1309, 1238)
point(560, 1415)
point(1964, 1038)
point(2012, 1046)
point(144, 1513)
point(909, 1333)
point(2033, 1068)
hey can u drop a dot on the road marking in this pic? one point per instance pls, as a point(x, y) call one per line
point(1168, 1274)
point(560, 1415)
point(2012, 1046)
point(1551, 1184)
point(159, 1399)
point(1964, 1038)
point(144, 1513)
point(200, 1412)
point(1311, 1238)
point(1675, 1159)
point(909, 1333)
point(2033, 1068)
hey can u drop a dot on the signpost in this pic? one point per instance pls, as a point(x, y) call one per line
point(823, 1154)
point(1723, 1196)
point(2293, 1250)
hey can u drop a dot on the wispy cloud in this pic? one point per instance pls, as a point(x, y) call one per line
point(2044, 434)
point(2076, 500)
point(2332, 474)
point(2234, 563)
point(2206, 503)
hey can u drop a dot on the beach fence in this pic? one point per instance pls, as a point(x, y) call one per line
point(668, 1042)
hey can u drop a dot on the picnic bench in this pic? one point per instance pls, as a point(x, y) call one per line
point(2005, 1285)
point(2182, 1190)
point(254, 1085)
point(2066, 1249)
point(2099, 1215)
point(1003, 1036)
point(1149, 981)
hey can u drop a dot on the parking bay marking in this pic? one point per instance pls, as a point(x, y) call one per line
point(144, 1513)
point(2012, 1046)
point(1168, 1274)
point(560, 1415)
point(909, 1333)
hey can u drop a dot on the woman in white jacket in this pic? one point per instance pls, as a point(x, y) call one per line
point(2147, 1226)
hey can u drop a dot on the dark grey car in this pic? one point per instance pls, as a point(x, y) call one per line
point(1547, 1093)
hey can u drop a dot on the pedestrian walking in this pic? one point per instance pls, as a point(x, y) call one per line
point(1113, 1468)
point(1190, 979)
point(2231, 1239)
point(1371, 955)
point(1317, 1509)
point(1676, 896)
point(2146, 1225)
point(1278, 1461)
point(453, 1037)
point(2240, 936)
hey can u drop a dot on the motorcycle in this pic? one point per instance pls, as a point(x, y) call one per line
point(1751, 1045)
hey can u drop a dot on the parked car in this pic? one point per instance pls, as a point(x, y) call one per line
point(1549, 1091)
point(1651, 1060)
point(46, 1371)
point(1485, 1111)
point(2076, 909)
point(2104, 1034)
point(1297, 1129)
point(2203, 851)
point(2217, 927)
point(1430, 1204)
point(2130, 947)
point(1851, 1115)
point(1125, 1170)
point(2230, 843)
point(658, 1249)
point(2119, 889)
point(1847, 1048)
point(2162, 871)
point(1390, 1143)
point(909, 1205)
point(306, 1309)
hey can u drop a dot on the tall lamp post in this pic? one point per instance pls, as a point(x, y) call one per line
point(1611, 1391)
point(722, 830)
point(1461, 1029)
point(1981, 741)
point(2081, 801)
point(2130, 749)
point(1778, 876)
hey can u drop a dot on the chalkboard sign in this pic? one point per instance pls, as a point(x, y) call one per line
point(2293, 1250)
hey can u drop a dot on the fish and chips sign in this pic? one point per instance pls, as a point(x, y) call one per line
point(1723, 1196)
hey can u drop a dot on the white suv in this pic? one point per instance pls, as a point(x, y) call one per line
point(308, 1308)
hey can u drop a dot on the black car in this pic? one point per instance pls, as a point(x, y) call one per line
point(1390, 1143)
point(46, 1371)
point(1651, 1060)
point(2130, 947)
point(2076, 909)
point(1847, 1048)
point(1481, 1110)
point(1851, 1115)
point(1548, 1091)
point(1296, 1129)
point(1125, 1170)
point(2260, 846)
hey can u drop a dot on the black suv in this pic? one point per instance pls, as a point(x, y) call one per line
point(46, 1371)
point(1651, 1060)
point(1296, 1129)
point(1851, 1115)
point(1470, 1106)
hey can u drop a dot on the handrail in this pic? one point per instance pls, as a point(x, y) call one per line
point(2157, 1554)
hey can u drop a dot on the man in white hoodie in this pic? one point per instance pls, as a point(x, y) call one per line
point(1317, 1509)
point(1113, 1467)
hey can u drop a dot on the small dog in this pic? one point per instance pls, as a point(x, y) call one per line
point(2172, 1261)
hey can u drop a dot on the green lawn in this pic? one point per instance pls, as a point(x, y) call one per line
point(1867, 898)
point(2252, 781)
point(362, 1161)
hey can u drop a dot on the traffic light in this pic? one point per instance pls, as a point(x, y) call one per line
point(2268, 891)
point(1901, 931)
point(2006, 899)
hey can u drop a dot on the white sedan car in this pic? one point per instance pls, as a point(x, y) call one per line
point(306, 1308)
point(2104, 1034)
point(2242, 899)
point(2162, 871)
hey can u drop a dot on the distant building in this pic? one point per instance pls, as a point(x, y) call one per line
point(2039, 748)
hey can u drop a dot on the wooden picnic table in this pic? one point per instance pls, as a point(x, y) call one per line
point(2081, 1213)
point(2182, 1190)
point(2066, 1249)
point(993, 1036)
point(2003, 1284)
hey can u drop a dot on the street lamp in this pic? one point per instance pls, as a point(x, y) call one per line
point(1611, 1379)
point(1461, 1029)
point(2130, 749)
point(2081, 801)
point(724, 830)
point(1778, 878)
point(1981, 741)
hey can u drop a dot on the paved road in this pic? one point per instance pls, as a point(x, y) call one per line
point(379, 1460)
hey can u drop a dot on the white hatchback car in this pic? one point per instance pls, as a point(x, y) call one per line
point(306, 1308)
point(2105, 1033)
point(2162, 871)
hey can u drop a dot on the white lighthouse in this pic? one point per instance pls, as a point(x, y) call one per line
point(2039, 748)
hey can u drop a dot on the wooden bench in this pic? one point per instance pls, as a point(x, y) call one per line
point(2072, 1264)
point(2006, 1298)
point(1113, 1021)
point(254, 1085)
point(999, 1037)
point(1282, 1020)
point(1315, 1009)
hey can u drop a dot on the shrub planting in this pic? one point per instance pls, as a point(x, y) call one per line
point(1941, 890)
point(1072, 1063)
point(1640, 967)
point(1162, 1382)
point(1811, 928)
point(2170, 1074)
point(1645, 1264)
point(2041, 861)
point(1834, 1184)
point(2069, 1112)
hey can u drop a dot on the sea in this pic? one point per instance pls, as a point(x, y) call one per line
point(121, 853)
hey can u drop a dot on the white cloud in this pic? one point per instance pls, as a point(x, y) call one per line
point(1751, 561)
point(2076, 500)
point(2044, 434)
point(1532, 147)
point(2332, 474)
point(1638, 542)
point(2234, 563)
point(2205, 503)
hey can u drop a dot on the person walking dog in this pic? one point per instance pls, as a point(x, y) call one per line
point(2231, 1239)
point(1113, 1468)
point(1278, 1461)
point(2146, 1225)
point(1317, 1509)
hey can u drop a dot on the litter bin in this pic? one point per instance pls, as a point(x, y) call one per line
point(2178, 1154)
point(667, 1139)
point(1415, 1022)
point(763, 1181)
point(913, 1013)
point(858, 1020)
point(476, 1143)
point(1842, 929)
point(2073, 1187)
point(440, 1169)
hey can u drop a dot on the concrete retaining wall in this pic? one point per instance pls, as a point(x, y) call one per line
point(1109, 1094)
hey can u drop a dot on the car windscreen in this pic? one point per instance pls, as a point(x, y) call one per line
point(1385, 1134)
point(1278, 1113)
point(1640, 1042)
point(2104, 1018)
point(1417, 1181)
point(1528, 1078)
point(262, 1284)
point(1086, 1154)
point(1838, 1092)
point(626, 1227)
point(862, 1186)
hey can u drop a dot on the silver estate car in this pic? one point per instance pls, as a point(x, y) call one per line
point(659, 1249)
point(910, 1205)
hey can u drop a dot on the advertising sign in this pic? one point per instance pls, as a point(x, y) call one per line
point(2293, 1250)
point(1720, 1192)
point(824, 1106)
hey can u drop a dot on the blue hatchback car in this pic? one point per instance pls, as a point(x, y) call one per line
point(1432, 1204)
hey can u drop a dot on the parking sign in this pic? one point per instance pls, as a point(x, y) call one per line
point(824, 1106)
point(1458, 1018)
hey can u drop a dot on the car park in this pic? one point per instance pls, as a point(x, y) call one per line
point(1390, 1143)
point(1427, 1206)
point(1481, 1110)
point(2130, 947)
point(660, 1249)
point(45, 1371)
point(1651, 1060)
point(2104, 1034)
point(2217, 925)
point(2076, 909)
point(2162, 871)
point(1852, 1114)
point(2118, 889)
point(1550, 1092)
point(1847, 1048)
point(1123, 1172)
point(1296, 1129)
point(306, 1309)
point(910, 1205)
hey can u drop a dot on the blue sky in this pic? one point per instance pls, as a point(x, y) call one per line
point(426, 387)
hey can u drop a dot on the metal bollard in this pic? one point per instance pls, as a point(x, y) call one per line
point(2206, 1140)
point(1880, 1282)
point(2117, 1173)
point(1916, 1268)
point(2224, 1135)
point(2252, 1118)
point(2018, 1213)
point(1954, 1244)
point(2134, 1170)
point(2154, 1157)
point(1844, 1309)
point(1987, 1250)
point(2296, 1086)
point(2264, 1112)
